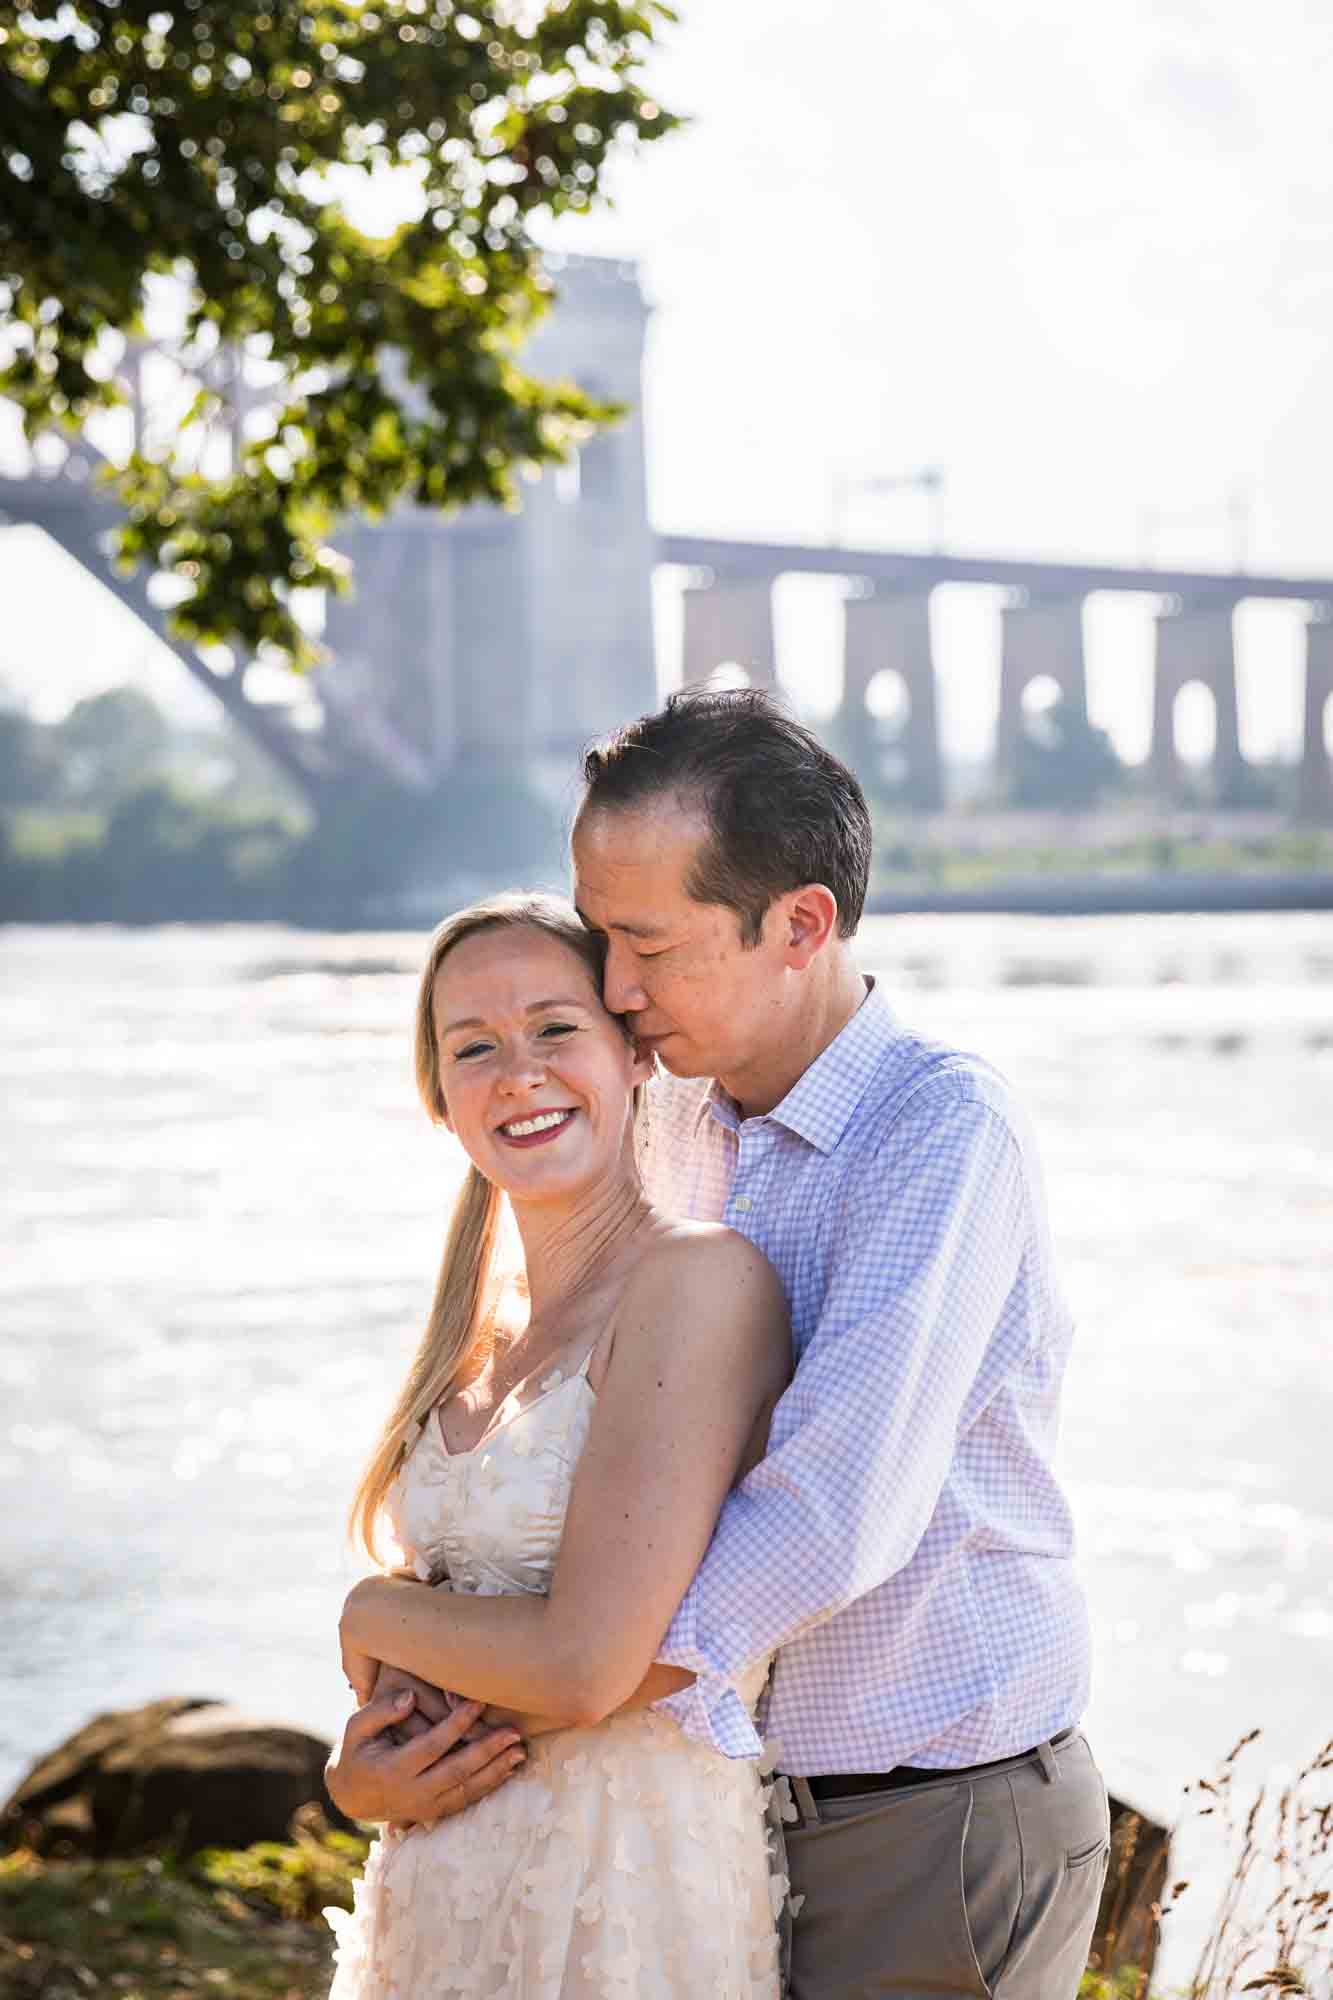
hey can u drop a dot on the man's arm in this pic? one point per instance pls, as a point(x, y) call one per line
point(700, 1354)
point(910, 1345)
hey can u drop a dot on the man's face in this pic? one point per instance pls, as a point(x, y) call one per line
point(695, 996)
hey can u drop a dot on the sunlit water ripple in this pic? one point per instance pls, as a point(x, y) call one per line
point(225, 1209)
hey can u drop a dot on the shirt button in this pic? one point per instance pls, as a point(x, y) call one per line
point(742, 1204)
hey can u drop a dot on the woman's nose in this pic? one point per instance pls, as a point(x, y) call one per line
point(523, 1069)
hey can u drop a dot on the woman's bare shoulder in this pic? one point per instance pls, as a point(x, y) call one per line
point(708, 1275)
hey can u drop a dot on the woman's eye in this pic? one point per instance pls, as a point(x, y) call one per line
point(471, 1049)
point(557, 1028)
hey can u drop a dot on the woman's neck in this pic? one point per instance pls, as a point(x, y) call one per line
point(564, 1247)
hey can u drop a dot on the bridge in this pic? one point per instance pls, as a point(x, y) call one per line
point(515, 638)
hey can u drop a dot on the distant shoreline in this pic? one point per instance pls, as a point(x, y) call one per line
point(1168, 894)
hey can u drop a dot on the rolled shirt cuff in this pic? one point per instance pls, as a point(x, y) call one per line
point(711, 1710)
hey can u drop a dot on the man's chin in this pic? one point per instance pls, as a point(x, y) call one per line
point(679, 1059)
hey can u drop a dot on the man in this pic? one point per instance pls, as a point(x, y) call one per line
point(903, 1549)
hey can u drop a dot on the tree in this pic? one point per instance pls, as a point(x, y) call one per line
point(1061, 760)
point(30, 767)
point(111, 743)
point(204, 145)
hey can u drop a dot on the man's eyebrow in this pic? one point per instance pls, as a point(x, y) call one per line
point(627, 930)
point(536, 1007)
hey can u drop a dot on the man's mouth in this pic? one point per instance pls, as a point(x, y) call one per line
point(540, 1126)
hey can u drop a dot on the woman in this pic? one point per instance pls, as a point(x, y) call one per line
point(624, 1858)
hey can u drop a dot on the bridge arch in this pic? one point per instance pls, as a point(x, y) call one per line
point(1194, 725)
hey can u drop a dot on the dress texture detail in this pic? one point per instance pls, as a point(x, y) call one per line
point(622, 1862)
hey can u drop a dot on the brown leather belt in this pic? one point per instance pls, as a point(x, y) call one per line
point(850, 1784)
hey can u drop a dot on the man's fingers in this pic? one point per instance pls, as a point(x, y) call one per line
point(381, 1712)
point(439, 1739)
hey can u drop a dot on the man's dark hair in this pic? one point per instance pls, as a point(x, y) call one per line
point(781, 810)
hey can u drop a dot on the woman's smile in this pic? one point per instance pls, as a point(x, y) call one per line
point(537, 1128)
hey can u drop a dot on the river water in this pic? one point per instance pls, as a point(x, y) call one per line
point(225, 1210)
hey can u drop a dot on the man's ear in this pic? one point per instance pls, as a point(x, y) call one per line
point(811, 922)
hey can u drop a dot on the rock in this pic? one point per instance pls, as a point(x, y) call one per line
point(1127, 1922)
point(181, 1773)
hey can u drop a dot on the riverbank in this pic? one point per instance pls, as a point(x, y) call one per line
point(242, 1924)
point(1108, 895)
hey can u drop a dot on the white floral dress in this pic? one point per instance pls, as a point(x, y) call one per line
point(623, 1862)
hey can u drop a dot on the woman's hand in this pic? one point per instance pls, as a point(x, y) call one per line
point(449, 1766)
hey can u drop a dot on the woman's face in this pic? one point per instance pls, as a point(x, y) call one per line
point(537, 1077)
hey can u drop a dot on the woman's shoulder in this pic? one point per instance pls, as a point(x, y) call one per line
point(702, 1246)
point(704, 1269)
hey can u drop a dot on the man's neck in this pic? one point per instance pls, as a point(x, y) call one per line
point(801, 1037)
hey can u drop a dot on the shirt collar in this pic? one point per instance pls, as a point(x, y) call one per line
point(823, 1097)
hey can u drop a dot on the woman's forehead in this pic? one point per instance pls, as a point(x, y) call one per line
point(516, 963)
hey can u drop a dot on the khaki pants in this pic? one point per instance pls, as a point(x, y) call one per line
point(985, 1887)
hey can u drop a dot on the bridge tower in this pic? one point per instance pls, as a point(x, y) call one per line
point(1316, 782)
point(514, 636)
point(1041, 638)
point(1196, 642)
point(889, 630)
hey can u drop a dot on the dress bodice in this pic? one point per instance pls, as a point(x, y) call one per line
point(491, 1518)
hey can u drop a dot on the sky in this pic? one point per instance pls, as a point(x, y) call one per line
point(1081, 258)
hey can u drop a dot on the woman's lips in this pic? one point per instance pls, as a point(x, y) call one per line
point(542, 1136)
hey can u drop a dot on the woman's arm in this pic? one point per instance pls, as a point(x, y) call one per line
point(701, 1353)
point(658, 1682)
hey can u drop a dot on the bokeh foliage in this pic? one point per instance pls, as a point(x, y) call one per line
point(204, 145)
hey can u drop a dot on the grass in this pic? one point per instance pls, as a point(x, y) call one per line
point(240, 1926)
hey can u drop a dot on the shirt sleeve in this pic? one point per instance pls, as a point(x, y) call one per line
point(927, 1245)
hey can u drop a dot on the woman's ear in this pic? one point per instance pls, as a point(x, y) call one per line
point(445, 1119)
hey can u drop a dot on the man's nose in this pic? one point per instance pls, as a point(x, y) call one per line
point(620, 982)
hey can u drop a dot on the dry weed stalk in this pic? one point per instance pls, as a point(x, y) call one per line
point(1271, 1933)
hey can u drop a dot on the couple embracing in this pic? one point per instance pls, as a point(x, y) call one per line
point(758, 1444)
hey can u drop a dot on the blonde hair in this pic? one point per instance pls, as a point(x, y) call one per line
point(457, 1313)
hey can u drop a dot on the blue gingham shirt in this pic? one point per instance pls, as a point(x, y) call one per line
point(904, 1547)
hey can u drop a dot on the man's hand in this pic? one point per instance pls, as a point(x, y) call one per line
point(429, 1778)
point(527, 1726)
point(429, 1703)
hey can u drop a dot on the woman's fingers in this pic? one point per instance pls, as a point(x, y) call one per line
point(471, 1773)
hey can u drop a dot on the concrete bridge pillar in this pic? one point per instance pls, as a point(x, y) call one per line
point(891, 629)
point(730, 621)
point(1195, 643)
point(388, 686)
point(1042, 640)
point(1316, 783)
